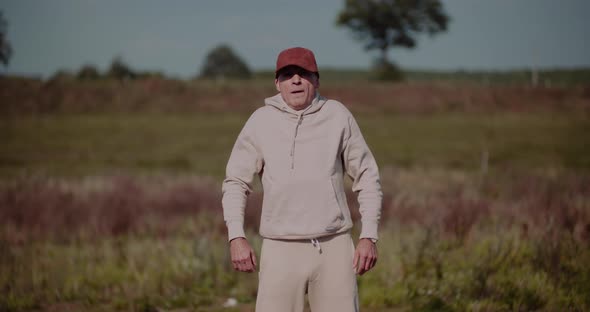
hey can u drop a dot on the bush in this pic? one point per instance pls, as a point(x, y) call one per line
point(88, 72)
point(120, 71)
point(62, 75)
point(223, 63)
point(386, 71)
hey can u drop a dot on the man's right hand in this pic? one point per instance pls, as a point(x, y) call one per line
point(242, 255)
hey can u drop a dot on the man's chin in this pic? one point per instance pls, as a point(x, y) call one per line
point(300, 106)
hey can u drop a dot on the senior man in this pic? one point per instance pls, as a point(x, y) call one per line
point(301, 145)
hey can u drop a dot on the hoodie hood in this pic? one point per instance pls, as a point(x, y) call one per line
point(278, 102)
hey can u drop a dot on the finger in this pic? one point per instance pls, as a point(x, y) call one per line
point(362, 271)
point(247, 264)
point(369, 263)
point(246, 267)
point(253, 258)
point(241, 263)
point(236, 263)
point(361, 264)
point(355, 260)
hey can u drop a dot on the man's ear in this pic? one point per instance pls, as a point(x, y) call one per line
point(277, 84)
point(316, 80)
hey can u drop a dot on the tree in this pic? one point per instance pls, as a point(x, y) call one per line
point(5, 48)
point(62, 75)
point(119, 70)
point(385, 24)
point(222, 63)
point(88, 72)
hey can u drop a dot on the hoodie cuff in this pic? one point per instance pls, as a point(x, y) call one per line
point(369, 229)
point(235, 229)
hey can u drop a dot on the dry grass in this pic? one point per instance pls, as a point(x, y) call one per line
point(460, 232)
point(41, 208)
point(161, 95)
point(127, 243)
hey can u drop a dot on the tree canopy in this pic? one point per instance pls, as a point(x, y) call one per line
point(385, 24)
point(222, 63)
point(88, 72)
point(5, 48)
point(119, 70)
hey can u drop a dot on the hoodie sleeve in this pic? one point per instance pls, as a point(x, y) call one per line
point(360, 165)
point(244, 162)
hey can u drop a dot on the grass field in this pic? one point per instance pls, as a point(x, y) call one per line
point(110, 195)
point(199, 144)
point(450, 241)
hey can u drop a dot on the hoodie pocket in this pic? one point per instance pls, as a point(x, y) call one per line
point(302, 208)
point(338, 189)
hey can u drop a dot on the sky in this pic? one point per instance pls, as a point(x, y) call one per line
point(174, 36)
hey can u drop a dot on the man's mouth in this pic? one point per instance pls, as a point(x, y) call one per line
point(296, 91)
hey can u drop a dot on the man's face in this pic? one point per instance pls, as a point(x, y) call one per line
point(297, 86)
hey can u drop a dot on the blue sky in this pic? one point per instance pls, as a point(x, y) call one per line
point(174, 36)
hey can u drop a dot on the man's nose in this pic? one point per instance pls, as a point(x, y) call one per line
point(296, 79)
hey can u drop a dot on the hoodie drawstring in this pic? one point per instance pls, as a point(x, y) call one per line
point(316, 244)
point(293, 144)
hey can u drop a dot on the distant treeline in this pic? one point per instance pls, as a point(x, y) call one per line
point(118, 70)
point(547, 77)
point(223, 64)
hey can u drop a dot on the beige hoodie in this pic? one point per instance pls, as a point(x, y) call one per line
point(301, 157)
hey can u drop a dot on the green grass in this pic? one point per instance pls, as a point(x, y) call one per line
point(79, 145)
point(132, 273)
point(460, 141)
point(417, 271)
point(449, 241)
point(176, 258)
point(102, 144)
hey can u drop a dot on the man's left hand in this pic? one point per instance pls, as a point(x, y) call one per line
point(365, 256)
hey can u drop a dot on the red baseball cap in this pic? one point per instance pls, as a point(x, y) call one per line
point(297, 56)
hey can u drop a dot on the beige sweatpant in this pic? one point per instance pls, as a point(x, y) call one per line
point(291, 268)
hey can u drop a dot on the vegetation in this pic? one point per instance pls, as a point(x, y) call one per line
point(120, 71)
point(449, 241)
point(5, 47)
point(547, 77)
point(110, 193)
point(79, 145)
point(154, 93)
point(387, 24)
point(86, 72)
point(223, 63)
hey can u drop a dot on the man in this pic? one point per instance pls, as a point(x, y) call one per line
point(300, 144)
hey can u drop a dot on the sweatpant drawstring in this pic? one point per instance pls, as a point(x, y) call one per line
point(316, 244)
